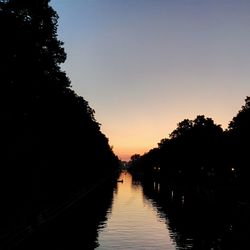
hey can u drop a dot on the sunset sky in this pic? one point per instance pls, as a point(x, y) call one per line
point(145, 65)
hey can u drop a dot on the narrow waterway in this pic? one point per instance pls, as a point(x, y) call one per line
point(144, 215)
point(133, 221)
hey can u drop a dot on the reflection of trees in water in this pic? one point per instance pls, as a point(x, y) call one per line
point(78, 228)
point(196, 223)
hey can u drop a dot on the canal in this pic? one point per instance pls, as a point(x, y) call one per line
point(133, 222)
point(143, 215)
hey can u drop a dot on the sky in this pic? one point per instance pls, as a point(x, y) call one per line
point(145, 65)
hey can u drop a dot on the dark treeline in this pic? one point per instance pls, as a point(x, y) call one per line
point(51, 145)
point(199, 155)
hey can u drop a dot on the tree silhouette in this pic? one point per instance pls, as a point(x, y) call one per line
point(182, 128)
point(240, 124)
point(239, 137)
point(51, 145)
point(191, 153)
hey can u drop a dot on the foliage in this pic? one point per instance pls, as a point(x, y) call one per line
point(239, 135)
point(241, 122)
point(193, 149)
point(51, 145)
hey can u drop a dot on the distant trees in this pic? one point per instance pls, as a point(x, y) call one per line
point(199, 149)
point(135, 157)
point(194, 147)
point(199, 152)
point(199, 136)
point(200, 126)
point(51, 145)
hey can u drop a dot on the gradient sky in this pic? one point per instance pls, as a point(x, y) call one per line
point(145, 65)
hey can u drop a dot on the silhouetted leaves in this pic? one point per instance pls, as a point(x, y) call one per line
point(198, 152)
point(51, 145)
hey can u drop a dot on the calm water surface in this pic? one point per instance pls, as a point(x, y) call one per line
point(133, 221)
point(152, 215)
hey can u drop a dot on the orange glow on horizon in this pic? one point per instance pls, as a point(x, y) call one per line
point(139, 139)
point(125, 153)
point(157, 66)
point(125, 156)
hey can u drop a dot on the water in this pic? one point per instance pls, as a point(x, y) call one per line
point(133, 221)
point(146, 215)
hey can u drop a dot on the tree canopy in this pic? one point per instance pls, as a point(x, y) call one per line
point(240, 124)
point(51, 145)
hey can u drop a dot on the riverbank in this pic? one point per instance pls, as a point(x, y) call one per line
point(13, 239)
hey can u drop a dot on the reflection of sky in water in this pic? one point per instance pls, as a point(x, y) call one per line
point(133, 222)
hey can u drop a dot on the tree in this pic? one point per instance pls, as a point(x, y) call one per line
point(182, 128)
point(241, 122)
point(51, 145)
point(193, 146)
point(239, 137)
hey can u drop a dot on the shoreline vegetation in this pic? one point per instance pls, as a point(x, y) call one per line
point(200, 152)
point(51, 146)
point(199, 179)
point(200, 176)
